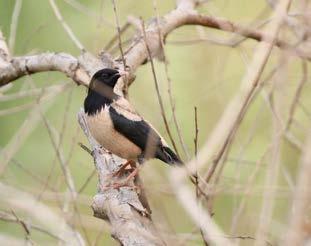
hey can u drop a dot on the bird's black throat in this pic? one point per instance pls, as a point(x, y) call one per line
point(97, 98)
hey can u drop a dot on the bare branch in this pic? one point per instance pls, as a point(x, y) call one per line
point(137, 53)
point(9, 218)
point(65, 25)
point(298, 92)
point(229, 26)
point(122, 29)
point(14, 22)
point(169, 82)
point(23, 132)
point(40, 212)
point(158, 91)
point(297, 233)
point(20, 66)
point(204, 221)
point(119, 33)
point(271, 179)
point(31, 93)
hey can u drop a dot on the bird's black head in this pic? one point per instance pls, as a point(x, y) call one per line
point(100, 91)
point(107, 76)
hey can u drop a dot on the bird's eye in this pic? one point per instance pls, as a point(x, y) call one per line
point(105, 76)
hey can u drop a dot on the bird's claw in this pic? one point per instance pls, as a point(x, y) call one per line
point(125, 183)
point(129, 165)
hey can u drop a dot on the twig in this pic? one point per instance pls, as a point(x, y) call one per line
point(158, 90)
point(22, 223)
point(304, 109)
point(196, 135)
point(84, 9)
point(32, 92)
point(117, 37)
point(31, 174)
point(55, 140)
point(65, 26)
point(66, 173)
point(9, 218)
point(126, 82)
point(297, 234)
point(14, 22)
point(247, 190)
point(272, 174)
point(195, 140)
point(169, 83)
point(89, 178)
point(202, 219)
point(16, 109)
point(86, 148)
point(298, 92)
point(119, 33)
point(23, 132)
point(23, 201)
point(229, 26)
point(87, 181)
point(80, 7)
point(247, 238)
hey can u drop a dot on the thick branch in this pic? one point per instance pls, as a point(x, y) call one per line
point(122, 207)
point(20, 66)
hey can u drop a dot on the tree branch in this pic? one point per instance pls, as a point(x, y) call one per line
point(20, 66)
point(229, 26)
point(136, 54)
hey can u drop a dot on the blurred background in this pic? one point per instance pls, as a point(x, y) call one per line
point(205, 71)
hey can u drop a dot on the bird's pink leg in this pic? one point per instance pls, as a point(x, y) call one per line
point(121, 171)
point(127, 180)
point(123, 168)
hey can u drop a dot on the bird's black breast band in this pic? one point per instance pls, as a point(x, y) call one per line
point(94, 102)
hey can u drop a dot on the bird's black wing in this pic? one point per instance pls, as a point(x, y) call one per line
point(141, 134)
point(137, 132)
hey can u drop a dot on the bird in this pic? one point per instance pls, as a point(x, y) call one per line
point(118, 127)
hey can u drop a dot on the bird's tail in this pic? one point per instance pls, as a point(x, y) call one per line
point(168, 156)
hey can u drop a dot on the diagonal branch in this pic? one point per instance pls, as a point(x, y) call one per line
point(65, 25)
point(229, 26)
